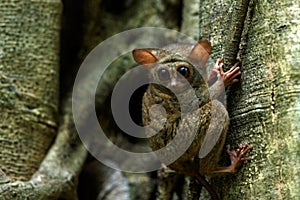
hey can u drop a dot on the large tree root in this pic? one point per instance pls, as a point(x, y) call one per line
point(58, 173)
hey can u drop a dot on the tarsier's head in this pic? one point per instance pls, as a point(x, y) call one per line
point(177, 66)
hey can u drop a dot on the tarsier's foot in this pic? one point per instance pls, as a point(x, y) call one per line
point(237, 157)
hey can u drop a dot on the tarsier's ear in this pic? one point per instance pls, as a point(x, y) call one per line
point(144, 56)
point(201, 52)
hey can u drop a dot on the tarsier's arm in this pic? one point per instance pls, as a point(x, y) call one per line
point(218, 80)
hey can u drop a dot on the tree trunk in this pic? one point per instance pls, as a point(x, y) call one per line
point(29, 83)
point(29, 56)
point(264, 107)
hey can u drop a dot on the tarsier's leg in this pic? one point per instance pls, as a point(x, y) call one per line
point(237, 158)
point(215, 136)
point(213, 144)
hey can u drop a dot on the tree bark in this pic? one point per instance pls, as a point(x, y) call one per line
point(30, 33)
point(58, 173)
point(265, 111)
point(264, 107)
point(29, 57)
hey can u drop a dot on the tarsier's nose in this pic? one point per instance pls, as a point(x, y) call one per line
point(174, 84)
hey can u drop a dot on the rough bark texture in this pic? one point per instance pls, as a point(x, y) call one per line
point(267, 109)
point(29, 57)
point(58, 173)
point(264, 107)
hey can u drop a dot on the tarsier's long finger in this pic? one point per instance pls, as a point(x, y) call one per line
point(231, 80)
point(221, 69)
point(219, 60)
point(246, 148)
point(233, 70)
point(236, 64)
point(228, 149)
point(240, 146)
point(246, 159)
point(231, 76)
point(235, 81)
point(243, 149)
point(231, 152)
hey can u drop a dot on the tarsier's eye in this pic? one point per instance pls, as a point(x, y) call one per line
point(184, 71)
point(164, 74)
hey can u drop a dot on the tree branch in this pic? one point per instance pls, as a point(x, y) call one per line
point(235, 30)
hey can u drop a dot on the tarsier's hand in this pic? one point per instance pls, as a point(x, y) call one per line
point(229, 77)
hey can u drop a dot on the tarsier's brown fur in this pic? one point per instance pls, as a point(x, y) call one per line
point(165, 66)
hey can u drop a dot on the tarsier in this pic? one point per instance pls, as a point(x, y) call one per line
point(181, 69)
